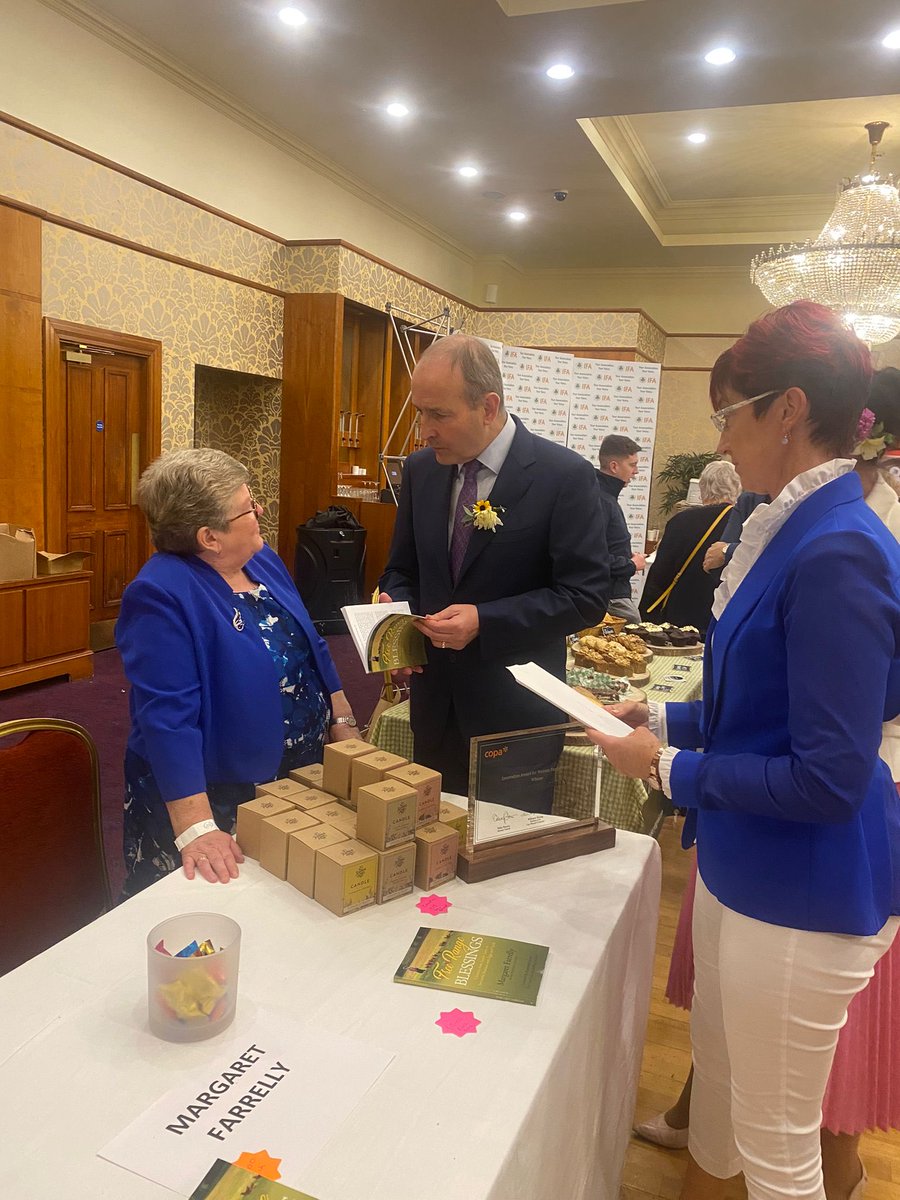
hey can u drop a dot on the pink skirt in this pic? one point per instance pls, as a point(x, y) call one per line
point(864, 1088)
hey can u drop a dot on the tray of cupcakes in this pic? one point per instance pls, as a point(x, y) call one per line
point(667, 639)
point(622, 655)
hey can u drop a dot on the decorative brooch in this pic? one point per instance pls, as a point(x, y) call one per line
point(483, 515)
point(871, 439)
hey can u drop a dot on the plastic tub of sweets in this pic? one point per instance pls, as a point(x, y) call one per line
point(193, 998)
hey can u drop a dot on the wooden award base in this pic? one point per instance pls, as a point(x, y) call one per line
point(520, 854)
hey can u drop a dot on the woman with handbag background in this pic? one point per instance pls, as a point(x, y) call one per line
point(678, 590)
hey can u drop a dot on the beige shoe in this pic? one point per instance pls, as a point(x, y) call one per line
point(658, 1130)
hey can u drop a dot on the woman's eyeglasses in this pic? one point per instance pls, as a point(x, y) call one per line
point(720, 418)
point(256, 509)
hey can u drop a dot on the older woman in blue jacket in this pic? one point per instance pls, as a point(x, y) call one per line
point(795, 816)
point(230, 683)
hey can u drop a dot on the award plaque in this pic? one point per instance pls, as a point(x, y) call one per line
point(533, 799)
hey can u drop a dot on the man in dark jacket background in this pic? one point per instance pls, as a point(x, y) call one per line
point(618, 466)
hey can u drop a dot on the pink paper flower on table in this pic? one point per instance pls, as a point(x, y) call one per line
point(458, 1022)
point(434, 905)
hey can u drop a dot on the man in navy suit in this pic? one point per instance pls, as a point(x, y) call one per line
point(489, 598)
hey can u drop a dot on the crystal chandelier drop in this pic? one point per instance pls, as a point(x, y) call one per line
point(853, 266)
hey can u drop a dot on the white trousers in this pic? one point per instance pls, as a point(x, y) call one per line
point(768, 1005)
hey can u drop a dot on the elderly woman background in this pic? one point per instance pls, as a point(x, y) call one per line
point(796, 818)
point(230, 683)
point(678, 566)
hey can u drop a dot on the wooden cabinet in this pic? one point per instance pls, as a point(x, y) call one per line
point(45, 629)
point(344, 386)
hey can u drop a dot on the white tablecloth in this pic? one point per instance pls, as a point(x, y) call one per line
point(536, 1106)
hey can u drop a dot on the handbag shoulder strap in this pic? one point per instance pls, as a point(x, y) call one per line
point(687, 562)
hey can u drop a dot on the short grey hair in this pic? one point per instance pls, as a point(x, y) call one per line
point(184, 490)
point(719, 483)
point(477, 364)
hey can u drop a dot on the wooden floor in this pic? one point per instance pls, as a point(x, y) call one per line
point(651, 1171)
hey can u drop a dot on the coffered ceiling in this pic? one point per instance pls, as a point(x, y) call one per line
point(783, 122)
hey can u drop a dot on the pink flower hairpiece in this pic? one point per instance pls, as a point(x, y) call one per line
point(866, 424)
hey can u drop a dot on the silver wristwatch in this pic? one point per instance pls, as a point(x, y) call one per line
point(351, 721)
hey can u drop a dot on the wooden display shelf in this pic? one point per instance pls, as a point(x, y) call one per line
point(45, 629)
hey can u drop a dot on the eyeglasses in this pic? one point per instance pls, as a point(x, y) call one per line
point(256, 509)
point(720, 418)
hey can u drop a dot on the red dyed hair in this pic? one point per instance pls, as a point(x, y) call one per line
point(802, 345)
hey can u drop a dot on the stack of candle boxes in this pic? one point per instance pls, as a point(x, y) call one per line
point(362, 827)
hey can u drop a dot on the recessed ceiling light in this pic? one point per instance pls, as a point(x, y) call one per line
point(698, 138)
point(517, 214)
point(396, 109)
point(560, 71)
point(292, 16)
point(720, 56)
point(892, 41)
point(468, 172)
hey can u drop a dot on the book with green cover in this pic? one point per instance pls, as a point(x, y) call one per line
point(224, 1181)
point(474, 964)
point(385, 635)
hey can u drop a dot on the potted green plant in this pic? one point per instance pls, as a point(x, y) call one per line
point(677, 474)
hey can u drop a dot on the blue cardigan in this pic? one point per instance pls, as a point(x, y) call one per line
point(205, 701)
point(797, 820)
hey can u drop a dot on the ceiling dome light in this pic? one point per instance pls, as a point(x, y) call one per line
point(892, 41)
point(697, 138)
point(468, 172)
point(292, 16)
point(396, 109)
point(560, 71)
point(721, 56)
point(517, 215)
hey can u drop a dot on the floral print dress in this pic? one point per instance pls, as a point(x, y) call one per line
point(149, 842)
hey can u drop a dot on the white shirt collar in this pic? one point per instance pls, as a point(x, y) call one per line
point(493, 456)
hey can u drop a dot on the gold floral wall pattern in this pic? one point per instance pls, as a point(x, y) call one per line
point(199, 318)
point(682, 425)
point(560, 328)
point(241, 414)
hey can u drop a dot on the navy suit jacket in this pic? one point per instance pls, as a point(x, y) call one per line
point(205, 698)
point(542, 575)
point(796, 817)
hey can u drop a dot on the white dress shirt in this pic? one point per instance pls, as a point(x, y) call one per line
point(492, 458)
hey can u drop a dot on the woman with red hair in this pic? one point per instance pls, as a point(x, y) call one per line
point(795, 816)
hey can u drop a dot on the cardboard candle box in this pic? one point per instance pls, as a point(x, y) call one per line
point(273, 839)
point(427, 785)
point(346, 877)
point(61, 564)
point(330, 812)
point(386, 816)
point(302, 848)
point(250, 817)
point(396, 870)
point(338, 757)
point(372, 768)
point(285, 788)
point(310, 776)
point(312, 798)
point(345, 822)
point(454, 816)
point(437, 846)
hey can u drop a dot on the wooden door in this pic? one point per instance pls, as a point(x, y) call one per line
point(105, 399)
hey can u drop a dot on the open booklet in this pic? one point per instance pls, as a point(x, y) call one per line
point(384, 636)
point(579, 708)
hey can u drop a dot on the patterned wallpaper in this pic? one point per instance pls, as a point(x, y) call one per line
point(50, 177)
point(198, 318)
point(241, 414)
point(559, 328)
point(683, 424)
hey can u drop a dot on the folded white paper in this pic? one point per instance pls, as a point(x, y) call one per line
point(549, 688)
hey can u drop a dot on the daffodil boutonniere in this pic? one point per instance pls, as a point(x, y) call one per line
point(483, 515)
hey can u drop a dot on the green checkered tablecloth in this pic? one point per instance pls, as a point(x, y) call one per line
point(621, 799)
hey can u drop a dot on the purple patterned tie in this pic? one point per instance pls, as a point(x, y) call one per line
point(459, 542)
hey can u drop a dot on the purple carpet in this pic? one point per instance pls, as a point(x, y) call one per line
point(101, 706)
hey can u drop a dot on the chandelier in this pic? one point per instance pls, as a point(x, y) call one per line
point(853, 266)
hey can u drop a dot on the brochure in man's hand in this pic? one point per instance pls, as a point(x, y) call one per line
point(474, 963)
point(384, 636)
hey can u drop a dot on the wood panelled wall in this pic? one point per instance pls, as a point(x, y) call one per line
point(21, 399)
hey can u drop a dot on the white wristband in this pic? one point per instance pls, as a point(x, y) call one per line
point(194, 831)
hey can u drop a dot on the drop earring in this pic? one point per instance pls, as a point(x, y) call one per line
point(785, 439)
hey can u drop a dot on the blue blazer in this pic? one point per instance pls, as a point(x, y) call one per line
point(205, 701)
point(797, 820)
point(543, 574)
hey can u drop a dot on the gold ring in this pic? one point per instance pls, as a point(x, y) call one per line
point(443, 645)
point(202, 858)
